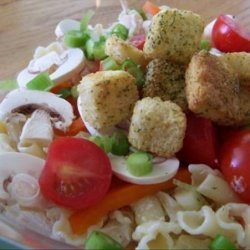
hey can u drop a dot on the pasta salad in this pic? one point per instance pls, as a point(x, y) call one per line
point(133, 136)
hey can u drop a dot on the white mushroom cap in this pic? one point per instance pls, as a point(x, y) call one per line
point(65, 26)
point(12, 164)
point(161, 172)
point(26, 101)
point(71, 66)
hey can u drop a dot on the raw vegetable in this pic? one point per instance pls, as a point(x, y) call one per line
point(221, 242)
point(234, 163)
point(135, 70)
point(76, 127)
point(95, 50)
point(119, 144)
point(8, 84)
point(75, 38)
point(151, 8)
point(77, 173)
point(139, 163)
point(229, 36)
point(85, 20)
point(100, 241)
point(199, 145)
point(40, 82)
point(120, 31)
point(205, 44)
point(109, 64)
point(119, 195)
point(138, 41)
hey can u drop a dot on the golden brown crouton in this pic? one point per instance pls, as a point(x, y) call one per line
point(212, 89)
point(157, 126)
point(121, 50)
point(240, 62)
point(166, 80)
point(174, 35)
point(244, 103)
point(107, 97)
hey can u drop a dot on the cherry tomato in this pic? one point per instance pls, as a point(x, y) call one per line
point(138, 41)
point(234, 163)
point(77, 173)
point(200, 142)
point(228, 36)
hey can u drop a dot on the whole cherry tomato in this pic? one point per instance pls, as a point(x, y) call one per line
point(234, 163)
point(200, 142)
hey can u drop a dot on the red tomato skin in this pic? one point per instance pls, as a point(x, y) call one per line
point(228, 36)
point(234, 163)
point(79, 164)
point(138, 41)
point(200, 142)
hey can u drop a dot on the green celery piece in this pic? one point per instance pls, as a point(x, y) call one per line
point(40, 82)
point(85, 20)
point(8, 84)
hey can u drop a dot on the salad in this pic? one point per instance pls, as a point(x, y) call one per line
point(133, 136)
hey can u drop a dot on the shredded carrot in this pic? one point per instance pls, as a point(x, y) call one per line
point(119, 196)
point(151, 8)
point(63, 85)
point(76, 127)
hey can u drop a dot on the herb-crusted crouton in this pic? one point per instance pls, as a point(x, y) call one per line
point(121, 50)
point(244, 112)
point(240, 62)
point(212, 89)
point(157, 126)
point(174, 35)
point(107, 97)
point(166, 80)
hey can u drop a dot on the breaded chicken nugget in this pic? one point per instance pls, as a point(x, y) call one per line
point(212, 89)
point(166, 80)
point(107, 97)
point(174, 35)
point(240, 62)
point(157, 126)
point(121, 50)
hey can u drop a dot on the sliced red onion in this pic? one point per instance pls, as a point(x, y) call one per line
point(124, 125)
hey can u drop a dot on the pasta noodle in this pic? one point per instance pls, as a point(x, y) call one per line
point(148, 209)
point(217, 189)
point(120, 226)
point(156, 235)
point(191, 242)
point(171, 207)
point(200, 171)
point(201, 222)
point(229, 218)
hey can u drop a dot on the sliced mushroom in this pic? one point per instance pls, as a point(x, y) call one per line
point(65, 26)
point(27, 101)
point(72, 63)
point(37, 129)
point(13, 164)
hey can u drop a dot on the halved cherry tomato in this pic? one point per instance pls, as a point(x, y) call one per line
point(234, 163)
point(151, 8)
point(77, 173)
point(200, 143)
point(229, 36)
point(138, 41)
